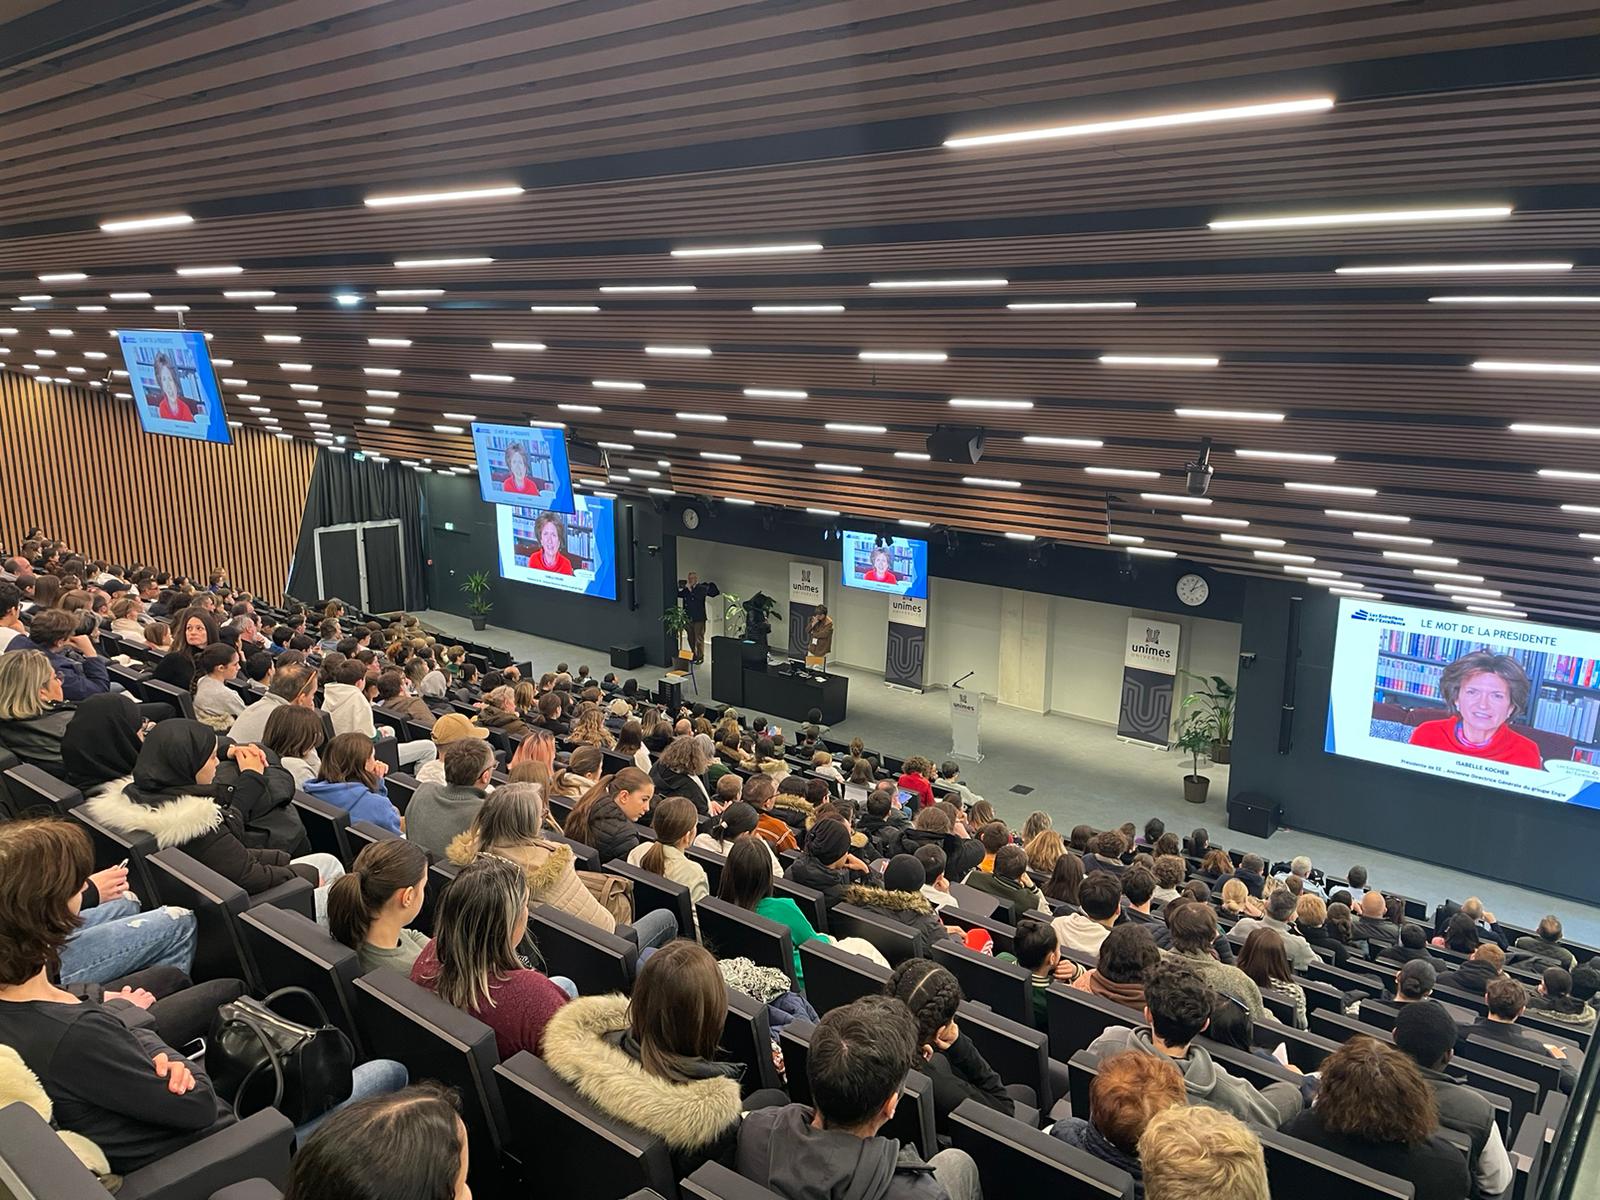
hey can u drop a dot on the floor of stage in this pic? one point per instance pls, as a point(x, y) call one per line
point(1081, 773)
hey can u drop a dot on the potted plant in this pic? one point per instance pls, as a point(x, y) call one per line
point(732, 614)
point(1219, 698)
point(676, 622)
point(476, 585)
point(1195, 736)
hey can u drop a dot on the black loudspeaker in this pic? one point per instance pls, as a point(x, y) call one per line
point(1291, 666)
point(585, 454)
point(629, 658)
point(955, 444)
point(1254, 814)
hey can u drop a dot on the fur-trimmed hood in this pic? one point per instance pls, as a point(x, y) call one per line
point(798, 805)
point(684, 1115)
point(544, 862)
point(872, 897)
point(19, 1085)
point(173, 822)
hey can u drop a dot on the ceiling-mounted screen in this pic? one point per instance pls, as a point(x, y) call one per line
point(575, 552)
point(878, 563)
point(173, 383)
point(523, 465)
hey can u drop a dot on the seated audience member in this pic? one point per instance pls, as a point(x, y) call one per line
point(885, 833)
point(674, 821)
point(1127, 957)
point(589, 728)
point(1341, 923)
point(1475, 975)
point(1138, 890)
point(291, 685)
point(1427, 1033)
point(1169, 872)
point(33, 716)
point(823, 765)
point(371, 905)
point(1373, 925)
point(1215, 866)
point(351, 778)
point(1177, 1010)
point(1238, 902)
point(1128, 1089)
point(72, 655)
point(1460, 934)
point(1414, 981)
point(1009, 883)
point(1231, 1025)
point(1193, 928)
point(630, 744)
point(438, 813)
point(948, 1057)
point(1374, 1107)
point(102, 742)
point(498, 710)
point(1281, 907)
point(409, 1143)
point(454, 727)
point(1310, 879)
point(1197, 1153)
point(950, 777)
point(900, 900)
point(746, 883)
point(604, 818)
point(1066, 879)
point(914, 778)
point(935, 887)
point(680, 771)
point(1252, 872)
point(1507, 999)
point(735, 820)
point(1413, 944)
point(768, 759)
point(393, 692)
point(345, 700)
point(11, 626)
point(551, 713)
point(826, 863)
point(193, 629)
point(172, 796)
point(1265, 960)
point(296, 735)
point(1105, 854)
point(583, 770)
point(215, 703)
point(472, 961)
point(1485, 922)
point(860, 1055)
point(1545, 944)
point(1100, 897)
point(1035, 948)
point(1553, 998)
point(650, 1061)
point(1043, 848)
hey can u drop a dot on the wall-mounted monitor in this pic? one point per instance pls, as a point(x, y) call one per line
point(523, 465)
point(896, 565)
point(574, 552)
point(1502, 703)
point(173, 383)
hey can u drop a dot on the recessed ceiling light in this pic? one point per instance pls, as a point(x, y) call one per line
point(345, 299)
point(309, 403)
point(661, 435)
point(823, 512)
point(385, 409)
point(172, 308)
point(1374, 217)
point(303, 387)
point(1350, 514)
point(734, 251)
point(1286, 456)
point(236, 383)
point(1368, 535)
point(970, 402)
point(717, 456)
point(913, 456)
point(1536, 368)
point(97, 355)
point(455, 416)
point(257, 294)
point(134, 224)
point(1580, 476)
point(624, 289)
point(1324, 572)
point(45, 353)
point(277, 308)
point(679, 351)
point(530, 346)
point(659, 491)
point(1556, 430)
point(770, 444)
point(401, 343)
point(619, 446)
point(1122, 472)
point(1590, 509)
point(903, 356)
point(1496, 612)
point(482, 377)
point(1069, 305)
point(1437, 560)
point(91, 308)
point(448, 429)
point(284, 437)
point(709, 418)
point(1079, 443)
point(580, 408)
point(1280, 557)
point(1019, 537)
point(774, 310)
point(1152, 552)
point(937, 283)
point(282, 339)
point(555, 309)
point(400, 308)
point(1480, 268)
point(63, 277)
point(408, 293)
point(454, 195)
point(1485, 602)
point(987, 481)
point(23, 308)
point(383, 394)
point(739, 500)
point(910, 524)
point(385, 371)
point(1424, 573)
point(618, 385)
point(1248, 539)
point(1164, 498)
point(36, 299)
point(1159, 360)
point(644, 472)
point(1514, 299)
point(130, 295)
point(75, 371)
point(1355, 593)
point(374, 421)
point(1467, 591)
point(839, 468)
point(202, 272)
point(475, 260)
point(294, 366)
point(756, 393)
point(59, 332)
point(1338, 489)
point(247, 396)
point(850, 427)
point(1204, 519)
point(1238, 112)
point(1229, 414)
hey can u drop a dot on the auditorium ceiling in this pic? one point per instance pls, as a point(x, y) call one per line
point(1358, 247)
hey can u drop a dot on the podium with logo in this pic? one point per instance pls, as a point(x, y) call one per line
point(966, 714)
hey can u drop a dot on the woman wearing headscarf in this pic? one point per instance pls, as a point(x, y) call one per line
point(172, 795)
point(102, 742)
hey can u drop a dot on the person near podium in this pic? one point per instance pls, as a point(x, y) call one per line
point(694, 595)
point(819, 635)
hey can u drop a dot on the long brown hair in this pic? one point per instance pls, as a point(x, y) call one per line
point(43, 865)
point(472, 941)
point(589, 728)
point(1376, 1093)
point(1264, 957)
point(579, 763)
point(629, 779)
point(358, 896)
point(679, 1007)
point(673, 817)
point(345, 761)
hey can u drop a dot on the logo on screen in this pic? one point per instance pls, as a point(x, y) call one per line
point(1362, 614)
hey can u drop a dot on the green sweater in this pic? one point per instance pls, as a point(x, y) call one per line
point(787, 913)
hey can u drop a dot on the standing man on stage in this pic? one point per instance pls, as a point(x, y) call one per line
point(819, 636)
point(694, 595)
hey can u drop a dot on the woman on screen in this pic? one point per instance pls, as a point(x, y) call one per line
point(880, 572)
point(517, 478)
point(173, 406)
point(550, 556)
point(1484, 691)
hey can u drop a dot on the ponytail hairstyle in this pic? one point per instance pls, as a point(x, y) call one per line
point(929, 991)
point(736, 819)
point(218, 654)
point(674, 817)
point(629, 779)
point(579, 763)
point(380, 870)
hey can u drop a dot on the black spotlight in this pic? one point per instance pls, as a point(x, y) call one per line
point(1197, 474)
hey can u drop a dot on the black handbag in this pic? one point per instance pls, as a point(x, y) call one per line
point(258, 1059)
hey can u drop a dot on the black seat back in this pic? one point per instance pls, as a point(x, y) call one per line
point(401, 787)
point(1018, 1052)
point(747, 1039)
point(1535, 1066)
point(112, 846)
point(154, 691)
point(217, 904)
point(597, 961)
point(1004, 987)
point(729, 931)
point(1077, 1018)
point(35, 1164)
point(835, 977)
point(1307, 1172)
point(808, 900)
point(713, 1181)
point(1031, 1161)
point(291, 951)
point(711, 862)
point(325, 825)
point(652, 892)
point(889, 937)
point(34, 788)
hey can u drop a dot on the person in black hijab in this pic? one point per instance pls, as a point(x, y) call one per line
point(102, 742)
point(173, 798)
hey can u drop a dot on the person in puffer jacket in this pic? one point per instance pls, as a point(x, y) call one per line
point(900, 899)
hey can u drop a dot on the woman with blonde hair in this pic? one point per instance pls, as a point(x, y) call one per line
point(526, 699)
point(1238, 902)
point(33, 715)
point(1036, 824)
point(1044, 848)
point(589, 728)
point(583, 768)
point(498, 710)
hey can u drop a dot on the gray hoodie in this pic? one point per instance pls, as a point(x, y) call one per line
point(1206, 1083)
point(438, 813)
point(779, 1148)
point(349, 707)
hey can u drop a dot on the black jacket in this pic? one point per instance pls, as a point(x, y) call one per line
point(1321, 935)
point(694, 599)
point(1434, 1166)
point(961, 1073)
point(37, 740)
point(1471, 976)
point(1402, 954)
point(808, 872)
point(1464, 1109)
point(1511, 1034)
point(884, 835)
point(612, 834)
point(676, 783)
point(910, 909)
point(1377, 932)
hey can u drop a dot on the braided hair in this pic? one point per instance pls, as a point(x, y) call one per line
point(929, 991)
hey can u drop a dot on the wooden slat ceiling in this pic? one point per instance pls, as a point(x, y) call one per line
point(637, 128)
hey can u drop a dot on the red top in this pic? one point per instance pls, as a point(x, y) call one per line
point(884, 576)
point(528, 487)
point(174, 410)
point(916, 783)
point(1506, 746)
point(524, 1002)
point(563, 563)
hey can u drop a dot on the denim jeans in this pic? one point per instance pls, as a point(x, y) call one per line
point(116, 939)
point(655, 929)
point(566, 985)
point(416, 754)
point(376, 1078)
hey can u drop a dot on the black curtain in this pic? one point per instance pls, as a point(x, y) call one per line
point(346, 489)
